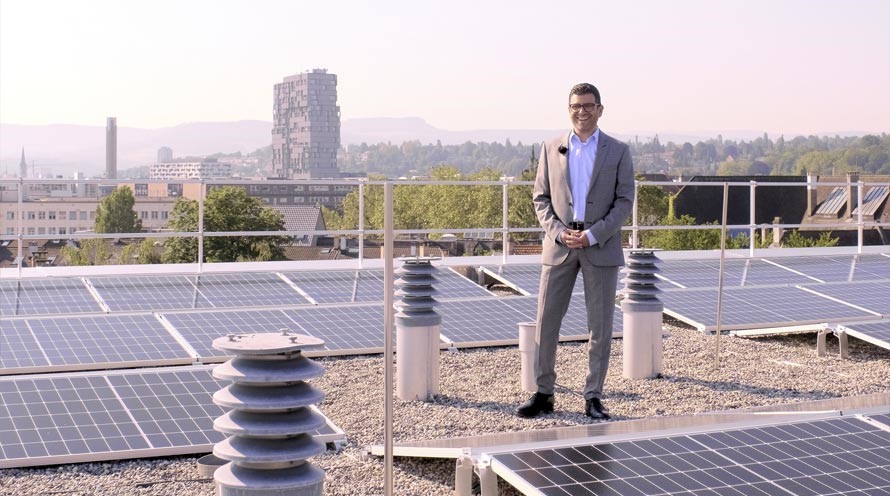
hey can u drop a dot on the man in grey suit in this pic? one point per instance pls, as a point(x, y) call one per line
point(583, 194)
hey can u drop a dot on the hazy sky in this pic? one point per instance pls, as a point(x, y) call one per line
point(790, 66)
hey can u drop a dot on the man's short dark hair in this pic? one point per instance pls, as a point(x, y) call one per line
point(586, 89)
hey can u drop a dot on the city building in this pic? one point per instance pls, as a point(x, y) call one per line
point(56, 217)
point(111, 148)
point(23, 166)
point(165, 154)
point(306, 126)
point(206, 169)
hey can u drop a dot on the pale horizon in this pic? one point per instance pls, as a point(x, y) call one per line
point(789, 67)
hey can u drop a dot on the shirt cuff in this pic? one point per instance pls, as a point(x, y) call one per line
point(590, 238)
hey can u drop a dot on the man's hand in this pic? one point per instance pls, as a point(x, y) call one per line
point(575, 239)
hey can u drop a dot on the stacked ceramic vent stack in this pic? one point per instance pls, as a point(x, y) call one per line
point(642, 316)
point(270, 420)
point(417, 331)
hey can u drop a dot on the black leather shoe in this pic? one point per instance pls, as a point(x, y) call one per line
point(538, 403)
point(593, 408)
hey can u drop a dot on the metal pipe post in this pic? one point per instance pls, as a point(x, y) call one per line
point(720, 276)
point(387, 337)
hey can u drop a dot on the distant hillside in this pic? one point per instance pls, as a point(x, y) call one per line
point(65, 149)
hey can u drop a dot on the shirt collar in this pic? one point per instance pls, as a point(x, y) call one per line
point(594, 138)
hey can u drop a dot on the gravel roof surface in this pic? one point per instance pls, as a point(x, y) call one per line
point(479, 392)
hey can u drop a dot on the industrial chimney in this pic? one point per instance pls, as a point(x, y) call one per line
point(111, 148)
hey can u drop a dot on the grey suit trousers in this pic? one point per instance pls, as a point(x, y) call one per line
point(557, 283)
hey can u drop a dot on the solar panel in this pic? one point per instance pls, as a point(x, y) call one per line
point(870, 295)
point(837, 456)
point(353, 329)
point(574, 324)
point(872, 200)
point(339, 286)
point(450, 284)
point(19, 350)
point(112, 415)
point(736, 273)
point(246, 290)
point(480, 322)
point(149, 293)
point(832, 205)
point(59, 418)
point(883, 418)
point(527, 278)
point(877, 333)
point(45, 297)
point(757, 307)
point(199, 329)
point(71, 343)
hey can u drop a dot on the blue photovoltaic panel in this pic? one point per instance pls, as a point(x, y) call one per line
point(736, 273)
point(870, 267)
point(840, 268)
point(450, 284)
point(18, 347)
point(45, 297)
point(754, 307)
point(829, 457)
point(343, 328)
point(882, 418)
point(149, 293)
point(59, 417)
point(106, 340)
point(111, 415)
point(246, 289)
point(480, 321)
point(874, 332)
point(340, 286)
point(172, 408)
point(200, 328)
point(874, 295)
point(528, 277)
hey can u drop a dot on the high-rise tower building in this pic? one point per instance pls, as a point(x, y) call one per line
point(111, 148)
point(165, 155)
point(306, 126)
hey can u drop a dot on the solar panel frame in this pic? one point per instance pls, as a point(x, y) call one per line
point(745, 461)
point(149, 293)
point(150, 412)
point(832, 205)
point(20, 352)
point(105, 341)
point(772, 307)
point(32, 297)
point(327, 287)
point(876, 333)
point(247, 289)
point(869, 295)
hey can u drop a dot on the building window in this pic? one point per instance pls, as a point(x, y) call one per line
point(63, 215)
point(10, 215)
point(41, 230)
point(154, 215)
point(52, 216)
point(141, 190)
point(63, 230)
point(165, 215)
point(10, 230)
point(30, 231)
point(83, 216)
point(93, 215)
point(143, 214)
point(41, 215)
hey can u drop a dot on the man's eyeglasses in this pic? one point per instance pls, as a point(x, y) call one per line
point(589, 107)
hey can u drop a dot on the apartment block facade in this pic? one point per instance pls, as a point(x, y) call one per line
point(306, 126)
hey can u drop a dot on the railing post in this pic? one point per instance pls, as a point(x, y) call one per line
point(506, 224)
point(21, 225)
point(860, 217)
point(361, 224)
point(634, 237)
point(752, 230)
point(388, 315)
point(201, 196)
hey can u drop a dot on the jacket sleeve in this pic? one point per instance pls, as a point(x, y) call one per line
point(622, 203)
point(543, 201)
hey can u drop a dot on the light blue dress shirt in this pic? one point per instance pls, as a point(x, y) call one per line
point(582, 157)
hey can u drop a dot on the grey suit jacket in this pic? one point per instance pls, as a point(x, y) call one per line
point(609, 199)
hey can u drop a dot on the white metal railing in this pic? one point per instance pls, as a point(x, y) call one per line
point(7, 186)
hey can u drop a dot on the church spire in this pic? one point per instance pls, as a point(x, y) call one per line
point(23, 166)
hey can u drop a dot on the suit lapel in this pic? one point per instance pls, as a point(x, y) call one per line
point(603, 150)
point(564, 163)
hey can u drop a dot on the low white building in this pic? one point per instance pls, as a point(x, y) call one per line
point(206, 169)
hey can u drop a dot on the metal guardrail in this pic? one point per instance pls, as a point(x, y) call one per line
point(361, 232)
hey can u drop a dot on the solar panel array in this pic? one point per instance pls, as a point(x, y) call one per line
point(526, 278)
point(836, 456)
point(46, 297)
point(70, 418)
point(877, 333)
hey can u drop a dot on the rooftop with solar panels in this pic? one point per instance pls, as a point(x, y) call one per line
point(106, 363)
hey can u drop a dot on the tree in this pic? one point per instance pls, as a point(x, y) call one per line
point(226, 209)
point(92, 251)
point(115, 213)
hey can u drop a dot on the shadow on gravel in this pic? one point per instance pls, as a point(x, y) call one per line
point(769, 392)
point(458, 402)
